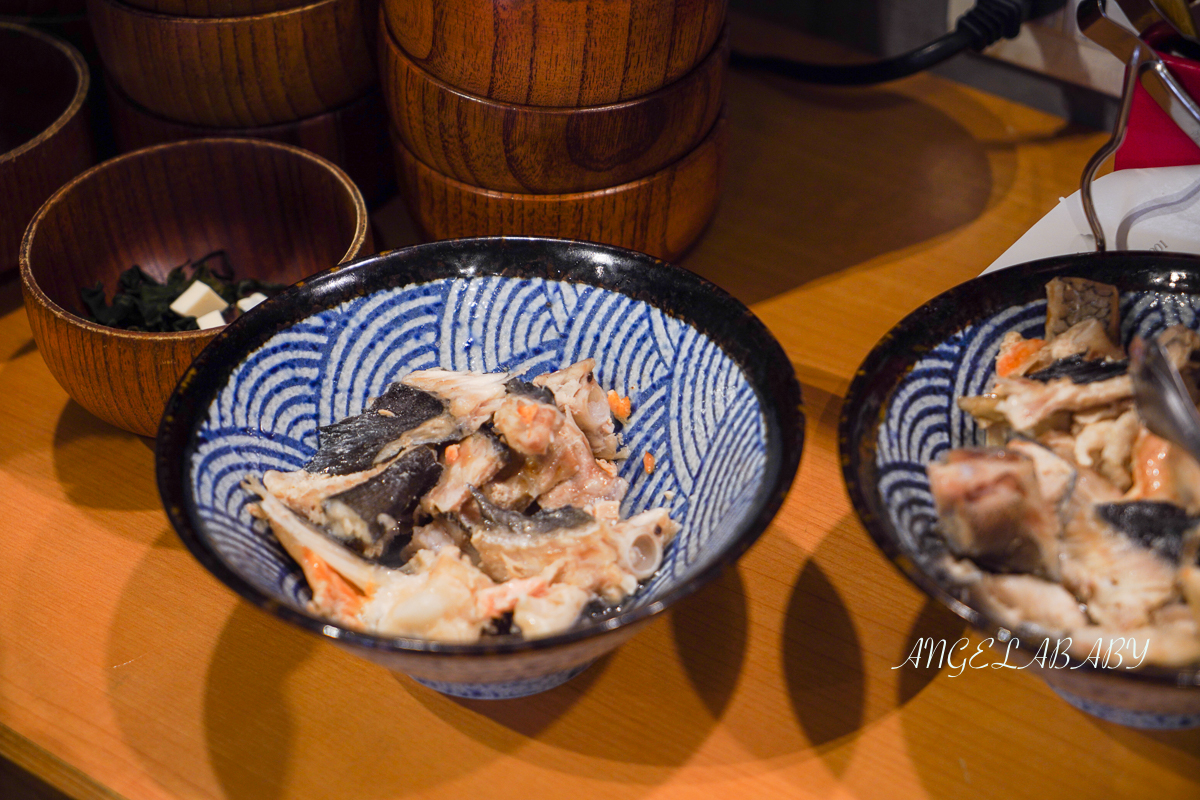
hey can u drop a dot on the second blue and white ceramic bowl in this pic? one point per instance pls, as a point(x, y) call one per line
point(715, 399)
point(901, 413)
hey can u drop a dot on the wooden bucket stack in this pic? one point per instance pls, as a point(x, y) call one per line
point(588, 119)
point(295, 71)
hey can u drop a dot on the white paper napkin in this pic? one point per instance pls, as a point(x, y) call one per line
point(1140, 209)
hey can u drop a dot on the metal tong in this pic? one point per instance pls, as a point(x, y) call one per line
point(1145, 66)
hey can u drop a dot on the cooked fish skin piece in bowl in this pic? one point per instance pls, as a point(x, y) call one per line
point(413, 369)
point(1039, 509)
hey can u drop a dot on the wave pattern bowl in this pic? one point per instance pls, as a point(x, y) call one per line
point(900, 414)
point(714, 396)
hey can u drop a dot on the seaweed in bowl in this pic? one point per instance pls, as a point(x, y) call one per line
point(714, 399)
point(908, 412)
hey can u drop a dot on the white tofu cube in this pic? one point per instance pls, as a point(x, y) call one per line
point(247, 303)
point(197, 300)
point(212, 319)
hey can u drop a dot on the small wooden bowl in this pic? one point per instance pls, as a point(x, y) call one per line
point(539, 150)
point(216, 8)
point(279, 212)
point(355, 137)
point(557, 52)
point(662, 214)
point(238, 71)
point(44, 139)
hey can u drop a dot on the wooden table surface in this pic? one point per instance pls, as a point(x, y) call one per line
point(127, 671)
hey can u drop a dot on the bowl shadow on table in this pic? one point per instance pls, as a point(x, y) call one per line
point(689, 701)
point(91, 457)
point(710, 664)
point(826, 674)
point(885, 183)
point(252, 722)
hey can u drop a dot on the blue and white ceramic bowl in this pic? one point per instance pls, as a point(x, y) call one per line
point(715, 399)
point(900, 414)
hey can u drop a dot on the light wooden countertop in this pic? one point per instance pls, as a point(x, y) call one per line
point(127, 671)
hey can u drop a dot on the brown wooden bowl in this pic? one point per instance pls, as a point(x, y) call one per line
point(540, 150)
point(44, 138)
point(557, 52)
point(216, 8)
point(279, 212)
point(662, 214)
point(355, 137)
point(239, 71)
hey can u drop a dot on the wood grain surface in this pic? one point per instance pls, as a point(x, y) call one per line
point(354, 136)
point(239, 71)
point(127, 672)
point(661, 214)
point(216, 8)
point(279, 212)
point(557, 52)
point(44, 138)
point(540, 150)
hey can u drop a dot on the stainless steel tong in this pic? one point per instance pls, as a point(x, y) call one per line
point(1143, 65)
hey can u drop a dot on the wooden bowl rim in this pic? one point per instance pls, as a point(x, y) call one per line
point(83, 82)
point(49, 19)
point(180, 21)
point(592, 194)
point(720, 47)
point(233, 132)
point(35, 291)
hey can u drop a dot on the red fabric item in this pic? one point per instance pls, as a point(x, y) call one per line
point(1153, 139)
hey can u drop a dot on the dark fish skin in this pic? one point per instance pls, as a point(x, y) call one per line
point(524, 389)
point(540, 523)
point(394, 492)
point(351, 444)
point(1080, 371)
point(406, 401)
point(1155, 525)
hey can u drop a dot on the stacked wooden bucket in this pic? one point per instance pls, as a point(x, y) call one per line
point(295, 71)
point(589, 119)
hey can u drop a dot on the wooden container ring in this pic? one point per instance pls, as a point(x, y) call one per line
point(44, 139)
point(557, 52)
point(216, 8)
point(661, 214)
point(353, 136)
point(540, 150)
point(238, 71)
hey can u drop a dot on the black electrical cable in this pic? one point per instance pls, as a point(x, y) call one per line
point(984, 24)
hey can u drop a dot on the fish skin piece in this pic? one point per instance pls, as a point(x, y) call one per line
point(1072, 300)
point(305, 491)
point(1080, 370)
point(353, 444)
point(543, 522)
point(1121, 582)
point(518, 387)
point(1156, 525)
point(354, 516)
point(472, 397)
point(990, 508)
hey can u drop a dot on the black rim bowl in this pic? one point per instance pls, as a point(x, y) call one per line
point(918, 333)
point(678, 292)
